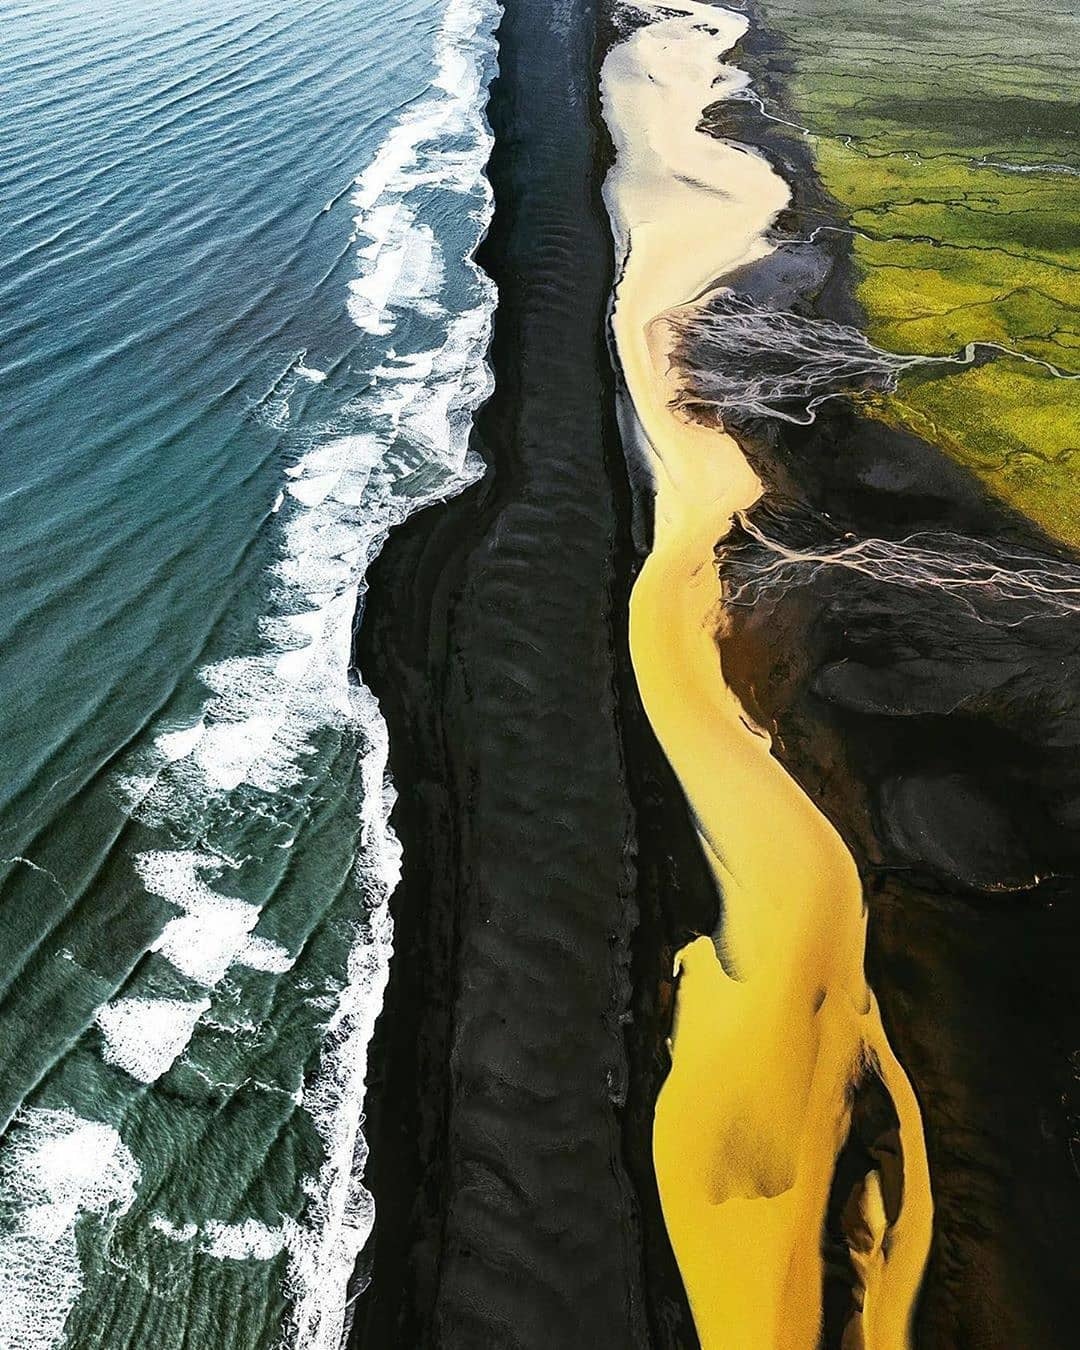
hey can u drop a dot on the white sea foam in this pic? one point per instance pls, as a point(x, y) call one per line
point(310, 373)
point(323, 1250)
point(178, 744)
point(429, 398)
point(183, 1232)
point(268, 711)
point(314, 491)
point(246, 1241)
point(144, 1036)
point(275, 412)
point(55, 1167)
point(213, 930)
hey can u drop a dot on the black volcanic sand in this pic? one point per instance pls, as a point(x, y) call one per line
point(945, 746)
point(550, 870)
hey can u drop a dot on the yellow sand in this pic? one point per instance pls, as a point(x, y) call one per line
point(774, 1018)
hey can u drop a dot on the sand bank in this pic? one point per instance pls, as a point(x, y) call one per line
point(775, 1023)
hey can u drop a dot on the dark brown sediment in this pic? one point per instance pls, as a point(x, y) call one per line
point(550, 870)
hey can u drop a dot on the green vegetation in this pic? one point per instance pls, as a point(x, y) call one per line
point(949, 137)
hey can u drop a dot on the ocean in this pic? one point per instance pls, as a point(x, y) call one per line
point(243, 338)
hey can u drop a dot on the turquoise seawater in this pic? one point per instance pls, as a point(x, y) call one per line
point(242, 339)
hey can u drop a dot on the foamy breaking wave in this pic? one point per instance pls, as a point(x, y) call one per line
point(213, 931)
point(249, 1240)
point(248, 760)
point(341, 1211)
point(145, 1036)
point(55, 1169)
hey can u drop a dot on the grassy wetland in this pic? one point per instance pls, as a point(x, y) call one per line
point(947, 136)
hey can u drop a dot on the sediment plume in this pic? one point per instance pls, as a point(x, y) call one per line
point(777, 1036)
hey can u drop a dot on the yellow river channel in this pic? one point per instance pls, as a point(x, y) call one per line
point(775, 1022)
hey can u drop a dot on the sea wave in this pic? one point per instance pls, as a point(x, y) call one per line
point(239, 778)
point(56, 1170)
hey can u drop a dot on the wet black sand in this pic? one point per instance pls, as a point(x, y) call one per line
point(550, 871)
point(945, 745)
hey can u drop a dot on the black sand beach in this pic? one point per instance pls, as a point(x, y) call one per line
point(550, 870)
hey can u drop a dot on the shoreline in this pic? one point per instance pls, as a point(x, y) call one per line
point(549, 759)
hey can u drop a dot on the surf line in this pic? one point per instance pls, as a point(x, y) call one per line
point(776, 1028)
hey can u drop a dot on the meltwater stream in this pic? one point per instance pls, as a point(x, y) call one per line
point(244, 339)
